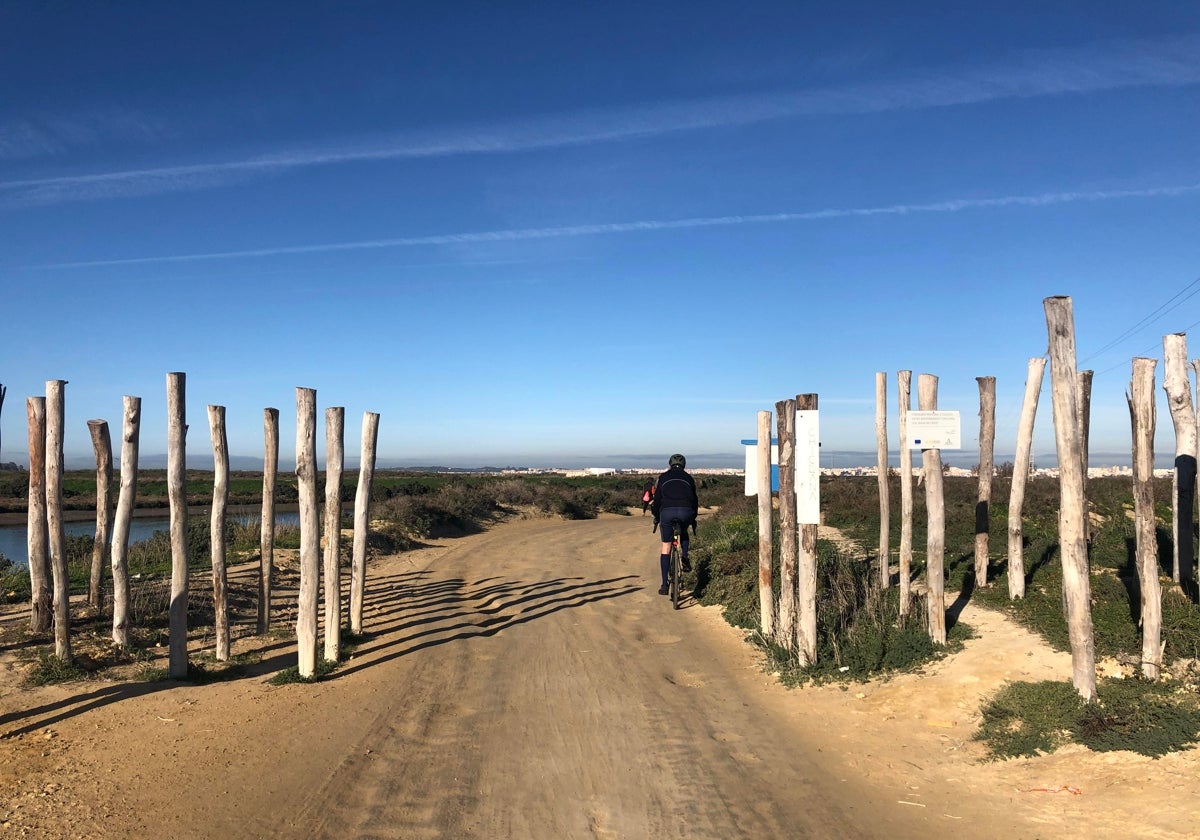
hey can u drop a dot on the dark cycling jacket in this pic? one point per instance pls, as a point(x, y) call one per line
point(675, 489)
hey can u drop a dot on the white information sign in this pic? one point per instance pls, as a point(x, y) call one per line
point(808, 468)
point(934, 430)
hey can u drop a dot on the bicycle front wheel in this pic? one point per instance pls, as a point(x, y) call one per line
point(676, 572)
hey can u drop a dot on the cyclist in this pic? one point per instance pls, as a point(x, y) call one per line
point(674, 498)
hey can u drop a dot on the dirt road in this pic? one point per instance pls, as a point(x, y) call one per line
point(527, 682)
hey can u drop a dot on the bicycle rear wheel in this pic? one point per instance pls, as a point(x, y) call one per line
point(676, 570)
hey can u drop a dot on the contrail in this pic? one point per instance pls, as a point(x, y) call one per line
point(1170, 62)
point(518, 234)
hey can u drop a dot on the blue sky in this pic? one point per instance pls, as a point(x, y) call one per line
point(555, 233)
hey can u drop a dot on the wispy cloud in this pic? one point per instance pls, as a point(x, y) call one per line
point(1095, 68)
point(519, 234)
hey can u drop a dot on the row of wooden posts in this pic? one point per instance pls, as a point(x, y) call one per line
point(791, 620)
point(46, 538)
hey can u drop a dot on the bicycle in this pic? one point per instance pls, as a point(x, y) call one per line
point(675, 568)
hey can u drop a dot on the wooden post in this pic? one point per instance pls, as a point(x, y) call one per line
point(130, 432)
point(904, 383)
point(766, 583)
point(37, 535)
point(1178, 386)
point(1020, 477)
point(310, 537)
point(266, 539)
point(806, 578)
point(102, 446)
point(177, 617)
point(1142, 418)
point(785, 416)
point(335, 461)
point(362, 520)
point(55, 421)
point(216, 529)
point(1083, 401)
point(1060, 324)
point(935, 507)
point(881, 452)
point(987, 442)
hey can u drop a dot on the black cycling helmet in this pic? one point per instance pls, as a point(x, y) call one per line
point(677, 460)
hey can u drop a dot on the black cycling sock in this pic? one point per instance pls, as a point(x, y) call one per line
point(683, 547)
point(664, 563)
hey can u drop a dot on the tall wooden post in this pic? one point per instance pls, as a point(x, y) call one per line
point(177, 617)
point(935, 507)
point(766, 583)
point(130, 432)
point(1060, 324)
point(881, 459)
point(216, 529)
point(102, 446)
point(55, 421)
point(1178, 386)
point(310, 537)
point(362, 520)
point(785, 417)
point(37, 535)
point(1020, 477)
point(266, 539)
point(335, 461)
point(987, 443)
point(806, 577)
point(1142, 417)
point(904, 387)
point(1083, 403)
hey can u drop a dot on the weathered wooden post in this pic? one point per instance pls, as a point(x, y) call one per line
point(1083, 402)
point(766, 583)
point(310, 537)
point(809, 505)
point(102, 446)
point(1142, 417)
point(904, 386)
point(362, 520)
point(1178, 386)
point(935, 507)
point(216, 529)
point(55, 421)
point(130, 433)
point(987, 443)
point(785, 418)
point(37, 536)
point(1020, 477)
point(335, 461)
point(881, 459)
point(1060, 324)
point(266, 538)
point(177, 615)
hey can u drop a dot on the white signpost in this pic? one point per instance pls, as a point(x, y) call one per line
point(808, 467)
point(934, 430)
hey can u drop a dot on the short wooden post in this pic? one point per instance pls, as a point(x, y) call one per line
point(1142, 417)
point(362, 520)
point(1060, 324)
point(881, 460)
point(983, 502)
point(1020, 477)
point(127, 497)
point(1178, 386)
point(216, 529)
point(266, 538)
point(310, 537)
point(935, 508)
point(177, 615)
point(766, 584)
point(55, 421)
point(904, 386)
point(785, 416)
point(102, 446)
point(37, 536)
point(335, 461)
point(806, 576)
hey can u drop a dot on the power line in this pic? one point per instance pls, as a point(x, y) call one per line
point(1179, 298)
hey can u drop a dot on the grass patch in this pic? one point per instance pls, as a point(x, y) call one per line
point(50, 669)
point(291, 675)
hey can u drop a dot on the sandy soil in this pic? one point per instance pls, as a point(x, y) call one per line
point(529, 682)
